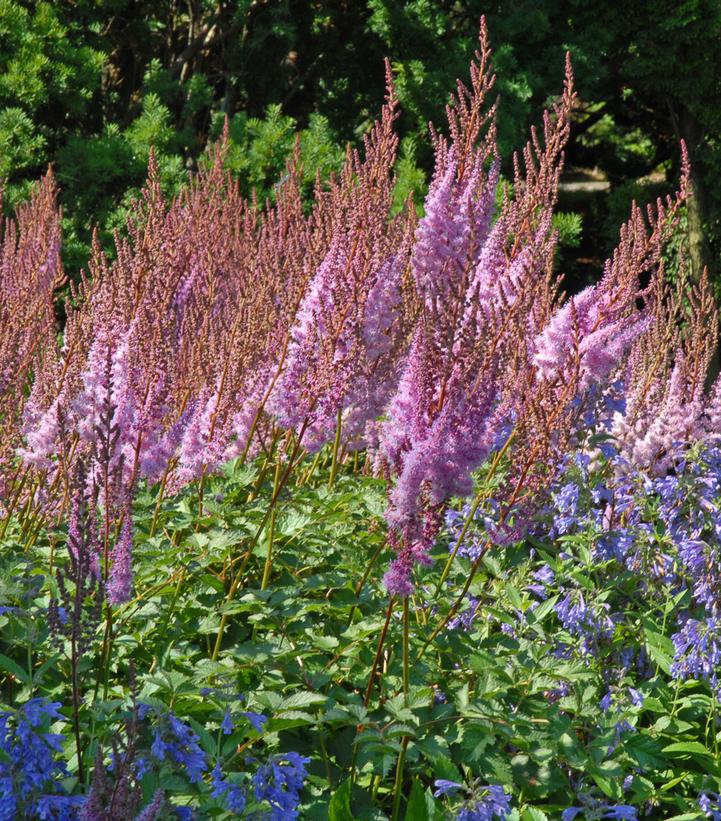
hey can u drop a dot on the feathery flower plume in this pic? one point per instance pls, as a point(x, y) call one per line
point(30, 272)
point(666, 407)
point(349, 328)
point(484, 290)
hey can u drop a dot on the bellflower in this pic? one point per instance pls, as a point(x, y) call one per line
point(279, 782)
point(30, 771)
point(176, 743)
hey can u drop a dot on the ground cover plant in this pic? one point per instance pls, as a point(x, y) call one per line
point(325, 510)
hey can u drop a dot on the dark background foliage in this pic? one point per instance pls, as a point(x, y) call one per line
point(91, 85)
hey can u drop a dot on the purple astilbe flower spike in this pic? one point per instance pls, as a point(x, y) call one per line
point(483, 293)
point(30, 271)
point(666, 409)
point(153, 810)
point(601, 323)
point(351, 325)
point(120, 581)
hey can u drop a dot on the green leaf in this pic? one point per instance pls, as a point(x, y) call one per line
point(9, 666)
point(533, 814)
point(538, 614)
point(444, 768)
point(302, 700)
point(417, 809)
point(688, 747)
point(659, 647)
point(339, 807)
point(687, 816)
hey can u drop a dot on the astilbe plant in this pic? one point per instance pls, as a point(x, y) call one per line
point(75, 614)
point(484, 290)
point(30, 272)
point(224, 327)
point(667, 407)
point(351, 327)
point(115, 792)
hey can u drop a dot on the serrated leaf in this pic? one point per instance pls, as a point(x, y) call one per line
point(444, 768)
point(302, 700)
point(533, 814)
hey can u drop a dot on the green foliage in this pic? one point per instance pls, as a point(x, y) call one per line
point(19, 142)
point(492, 702)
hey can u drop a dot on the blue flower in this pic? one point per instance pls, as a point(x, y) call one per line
point(566, 502)
point(465, 618)
point(710, 805)
point(697, 650)
point(488, 803)
point(582, 620)
point(257, 720)
point(636, 697)
point(176, 742)
point(232, 795)
point(226, 725)
point(444, 787)
point(279, 782)
point(29, 772)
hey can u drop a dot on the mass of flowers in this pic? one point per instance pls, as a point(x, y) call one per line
point(496, 411)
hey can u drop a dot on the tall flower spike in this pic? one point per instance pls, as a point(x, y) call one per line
point(483, 290)
point(666, 406)
point(120, 580)
point(30, 271)
point(333, 360)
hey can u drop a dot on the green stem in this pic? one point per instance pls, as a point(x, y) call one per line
point(406, 648)
point(238, 575)
point(336, 449)
point(379, 653)
point(201, 497)
point(398, 785)
point(13, 502)
point(480, 496)
point(264, 470)
point(364, 578)
point(311, 470)
point(271, 531)
point(324, 756)
point(159, 503)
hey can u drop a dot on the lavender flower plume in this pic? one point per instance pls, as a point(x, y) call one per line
point(120, 581)
point(475, 283)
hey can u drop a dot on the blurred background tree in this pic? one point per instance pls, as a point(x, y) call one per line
point(91, 85)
